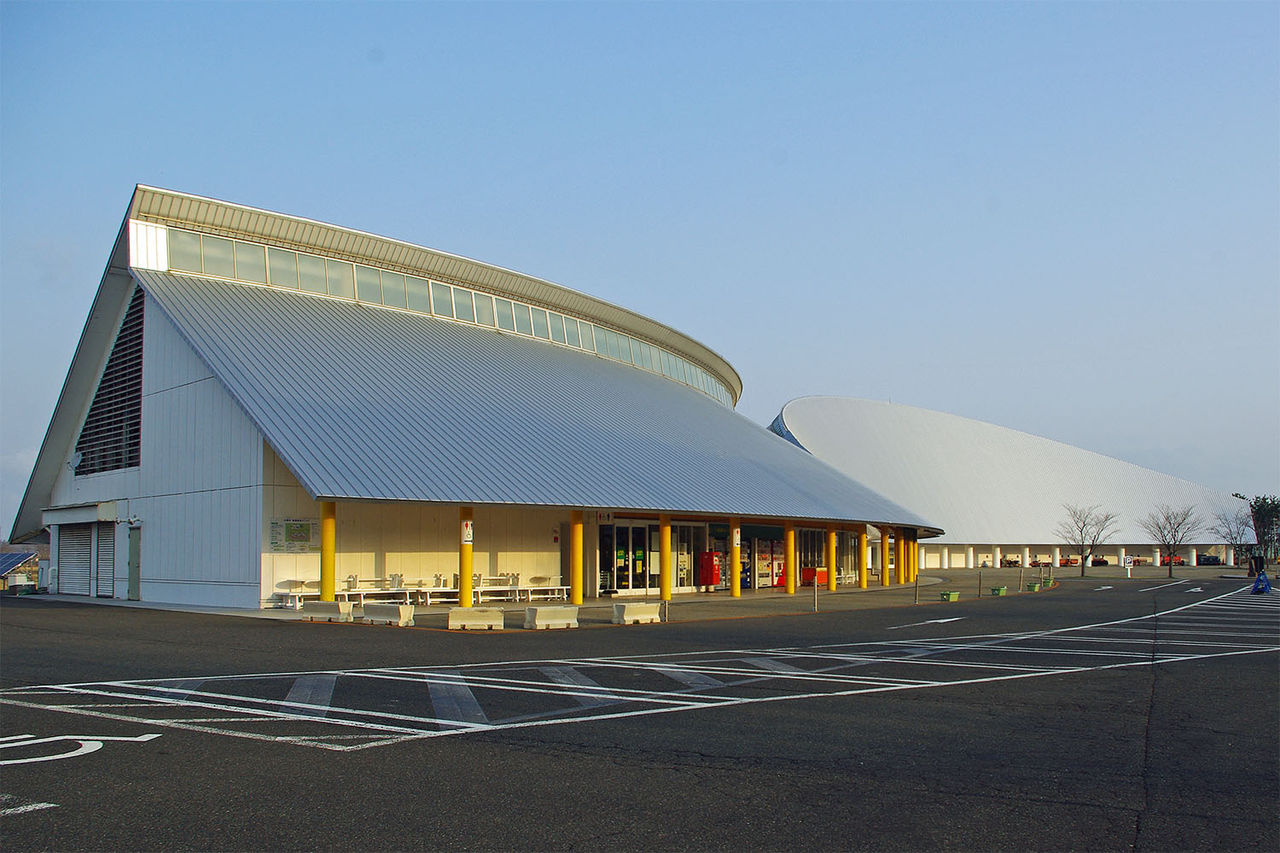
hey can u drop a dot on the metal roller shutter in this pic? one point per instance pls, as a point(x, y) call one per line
point(74, 542)
point(106, 560)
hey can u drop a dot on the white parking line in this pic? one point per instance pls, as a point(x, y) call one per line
point(1162, 586)
point(508, 695)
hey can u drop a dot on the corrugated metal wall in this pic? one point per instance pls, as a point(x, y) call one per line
point(200, 493)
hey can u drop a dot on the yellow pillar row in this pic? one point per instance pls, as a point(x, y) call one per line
point(885, 533)
point(793, 570)
point(735, 558)
point(575, 556)
point(861, 556)
point(900, 557)
point(664, 556)
point(831, 558)
point(328, 550)
point(466, 561)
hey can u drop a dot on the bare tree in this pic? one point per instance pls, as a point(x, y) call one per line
point(1235, 528)
point(1171, 528)
point(1084, 529)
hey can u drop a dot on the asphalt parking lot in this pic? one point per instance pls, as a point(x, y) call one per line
point(1102, 715)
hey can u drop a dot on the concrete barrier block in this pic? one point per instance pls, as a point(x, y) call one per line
point(462, 618)
point(400, 614)
point(636, 612)
point(330, 611)
point(551, 616)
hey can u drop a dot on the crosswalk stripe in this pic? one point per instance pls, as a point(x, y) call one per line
point(453, 700)
point(571, 677)
point(313, 690)
point(691, 678)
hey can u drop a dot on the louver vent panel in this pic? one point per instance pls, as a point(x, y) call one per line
point(111, 437)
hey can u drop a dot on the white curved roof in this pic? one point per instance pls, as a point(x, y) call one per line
point(980, 482)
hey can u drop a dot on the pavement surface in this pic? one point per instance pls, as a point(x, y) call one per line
point(1103, 714)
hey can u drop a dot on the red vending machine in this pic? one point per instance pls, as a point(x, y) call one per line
point(708, 570)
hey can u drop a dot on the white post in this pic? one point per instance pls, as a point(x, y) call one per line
point(1192, 554)
point(996, 556)
point(1057, 556)
point(1228, 555)
point(944, 558)
point(968, 557)
point(1155, 556)
point(1026, 556)
point(1128, 570)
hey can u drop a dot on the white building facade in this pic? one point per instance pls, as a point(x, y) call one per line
point(1000, 494)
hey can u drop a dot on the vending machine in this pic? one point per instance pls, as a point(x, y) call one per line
point(779, 563)
point(763, 563)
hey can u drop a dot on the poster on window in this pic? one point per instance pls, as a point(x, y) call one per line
point(295, 535)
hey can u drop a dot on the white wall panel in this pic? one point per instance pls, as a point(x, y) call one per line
point(167, 360)
point(195, 437)
point(148, 245)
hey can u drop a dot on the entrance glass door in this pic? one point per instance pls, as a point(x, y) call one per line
point(630, 557)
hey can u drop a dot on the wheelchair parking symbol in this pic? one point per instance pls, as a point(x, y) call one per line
point(52, 748)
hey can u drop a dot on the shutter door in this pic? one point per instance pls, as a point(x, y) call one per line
point(106, 560)
point(74, 542)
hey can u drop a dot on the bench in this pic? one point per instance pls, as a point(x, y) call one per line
point(341, 610)
point(293, 600)
point(545, 593)
point(551, 616)
point(636, 612)
point(400, 614)
point(462, 618)
point(360, 594)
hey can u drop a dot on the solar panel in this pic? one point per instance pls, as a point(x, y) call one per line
point(10, 561)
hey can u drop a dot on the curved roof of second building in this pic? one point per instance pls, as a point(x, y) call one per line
point(365, 402)
point(981, 482)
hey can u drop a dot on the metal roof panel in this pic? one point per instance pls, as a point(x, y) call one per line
point(365, 402)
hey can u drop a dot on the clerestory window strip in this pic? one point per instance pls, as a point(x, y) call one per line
point(239, 260)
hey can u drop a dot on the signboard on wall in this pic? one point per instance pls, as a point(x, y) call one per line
point(295, 536)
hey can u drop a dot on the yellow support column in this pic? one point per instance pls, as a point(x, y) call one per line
point(885, 533)
point(861, 556)
point(832, 568)
point(735, 558)
point(792, 569)
point(900, 555)
point(664, 556)
point(575, 556)
point(915, 556)
point(328, 550)
point(466, 563)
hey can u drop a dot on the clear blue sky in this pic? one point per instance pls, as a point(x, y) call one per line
point(1062, 218)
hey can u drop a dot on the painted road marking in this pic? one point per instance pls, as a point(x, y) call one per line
point(1101, 588)
point(313, 690)
point(11, 805)
point(1162, 586)
point(510, 695)
point(85, 745)
point(1194, 589)
point(928, 622)
point(453, 700)
point(569, 676)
